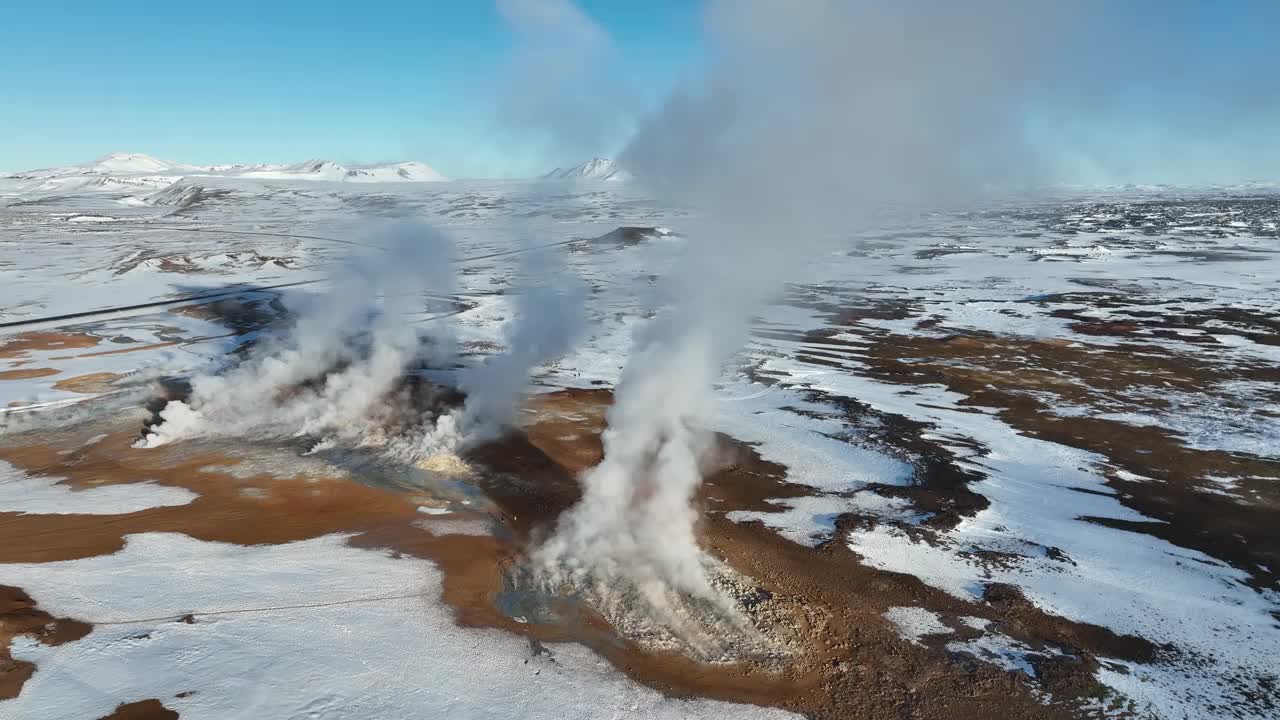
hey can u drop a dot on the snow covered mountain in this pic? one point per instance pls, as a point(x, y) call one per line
point(122, 166)
point(593, 169)
point(113, 164)
point(130, 164)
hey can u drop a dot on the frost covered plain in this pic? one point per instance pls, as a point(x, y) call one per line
point(1018, 460)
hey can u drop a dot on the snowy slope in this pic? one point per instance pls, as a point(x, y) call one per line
point(133, 164)
point(593, 169)
point(411, 171)
point(112, 164)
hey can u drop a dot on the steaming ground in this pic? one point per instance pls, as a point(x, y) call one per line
point(1018, 460)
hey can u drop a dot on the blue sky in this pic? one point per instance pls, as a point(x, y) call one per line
point(1167, 90)
point(235, 81)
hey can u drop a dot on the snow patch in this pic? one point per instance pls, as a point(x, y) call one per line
point(914, 623)
point(44, 495)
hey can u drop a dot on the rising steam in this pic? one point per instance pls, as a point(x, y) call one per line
point(338, 376)
point(549, 320)
point(815, 115)
point(331, 375)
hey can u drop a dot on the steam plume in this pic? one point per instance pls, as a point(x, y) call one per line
point(331, 375)
point(815, 115)
point(548, 321)
point(337, 376)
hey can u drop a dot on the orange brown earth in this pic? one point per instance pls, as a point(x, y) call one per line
point(88, 384)
point(19, 345)
point(142, 710)
point(120, 351)
point(27, 373)
point(850, 661)
point(19, 615)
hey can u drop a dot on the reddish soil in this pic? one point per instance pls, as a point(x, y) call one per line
point(273, 511)
point(142, 710)
point(20, 616)
point(88, 384)
point(27, 373)
point(120, 351)
point(17, 346)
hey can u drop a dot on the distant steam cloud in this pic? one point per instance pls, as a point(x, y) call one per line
point(562, 96)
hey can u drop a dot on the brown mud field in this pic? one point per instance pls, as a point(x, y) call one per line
point(19, 615)
point(1238, 527)
point(21, 345)
point(27, 373)
point(89, 383)
point(142, 710)
point(846, 659)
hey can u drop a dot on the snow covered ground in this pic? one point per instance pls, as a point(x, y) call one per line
point(110, 260)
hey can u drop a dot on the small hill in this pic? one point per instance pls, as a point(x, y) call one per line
point(594, 169)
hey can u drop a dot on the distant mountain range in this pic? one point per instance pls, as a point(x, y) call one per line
point(593, 169)
point(138, 165)
point(138, 169)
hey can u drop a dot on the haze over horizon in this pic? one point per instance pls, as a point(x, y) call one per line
point(1171, 92)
